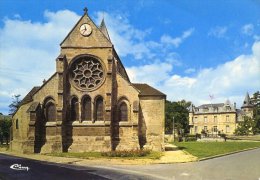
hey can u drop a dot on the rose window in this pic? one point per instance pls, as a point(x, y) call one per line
point(87, 73)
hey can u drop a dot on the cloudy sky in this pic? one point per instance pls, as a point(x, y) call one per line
point(187, 49)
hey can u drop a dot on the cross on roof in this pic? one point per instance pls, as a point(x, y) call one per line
point(85, 10)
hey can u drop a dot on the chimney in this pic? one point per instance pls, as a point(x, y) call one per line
point(235, 104)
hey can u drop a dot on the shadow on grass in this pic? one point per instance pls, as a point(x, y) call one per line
point(174, 148)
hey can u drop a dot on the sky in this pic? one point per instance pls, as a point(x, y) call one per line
point(187, 49)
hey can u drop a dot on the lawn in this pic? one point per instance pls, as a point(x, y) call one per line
point(93, 155)
point(208, 149)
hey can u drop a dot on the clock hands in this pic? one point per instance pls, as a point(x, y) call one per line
point(85, 29)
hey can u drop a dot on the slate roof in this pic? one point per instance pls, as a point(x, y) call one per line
point(203, 106)
point(28, 97)
point(247, 102)
point(146, 90)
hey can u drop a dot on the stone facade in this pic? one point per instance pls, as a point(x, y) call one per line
point(89, 103)
point(215, 118)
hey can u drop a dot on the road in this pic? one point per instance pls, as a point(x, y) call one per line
point(239, 166)
point(52, 171)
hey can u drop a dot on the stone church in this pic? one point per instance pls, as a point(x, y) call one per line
point(89, 103)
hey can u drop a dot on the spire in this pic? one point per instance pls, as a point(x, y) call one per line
point(103, 29)
point(190, 108)
point(247, 101)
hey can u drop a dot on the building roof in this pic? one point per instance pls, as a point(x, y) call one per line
point(146, 90)
point(203, 106)
point(247, 102)
point(33, 107)
point(28, 97)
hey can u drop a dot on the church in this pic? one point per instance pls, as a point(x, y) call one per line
point(89, 103)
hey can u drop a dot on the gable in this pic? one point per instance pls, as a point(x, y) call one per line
point(76, 40)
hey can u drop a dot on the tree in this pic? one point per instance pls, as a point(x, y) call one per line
point(15, 103)
point(179, 111)
point(5, 124)
point(245, 127)
point(256, 113)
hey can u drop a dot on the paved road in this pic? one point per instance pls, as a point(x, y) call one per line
point(239, 166)
point(51, 171)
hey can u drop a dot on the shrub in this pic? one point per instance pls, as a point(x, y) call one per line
point(126, 153)
point(190, 139)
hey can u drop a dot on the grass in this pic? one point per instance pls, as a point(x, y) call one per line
point(94, 155)
point(208, 149)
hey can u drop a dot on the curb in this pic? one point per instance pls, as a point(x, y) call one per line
point(226, 154)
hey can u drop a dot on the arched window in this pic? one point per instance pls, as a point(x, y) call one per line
point(74, 109)
point(50, 112)
point(123, 114)
point(17, 124)
point(99, 109)
point(86, 108)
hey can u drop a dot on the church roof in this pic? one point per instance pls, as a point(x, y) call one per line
point(96, 39)
point(247, 102)
point(33, 107)
point(28, 97)
point(146, 90)
point(103, 29)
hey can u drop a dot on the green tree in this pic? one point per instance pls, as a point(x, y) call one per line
point(256, 112)
point(15, 103)
point(178, 110)
point(5, 124)
point(245, 127)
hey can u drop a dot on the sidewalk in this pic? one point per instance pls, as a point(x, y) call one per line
point(171, 155)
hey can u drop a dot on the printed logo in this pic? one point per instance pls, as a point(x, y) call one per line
point(19, 167)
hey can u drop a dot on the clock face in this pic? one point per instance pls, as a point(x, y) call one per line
point(85, 29)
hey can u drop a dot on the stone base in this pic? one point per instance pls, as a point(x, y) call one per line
point(90, 143)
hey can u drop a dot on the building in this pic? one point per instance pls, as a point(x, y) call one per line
point(89, 103)
point(221, 117)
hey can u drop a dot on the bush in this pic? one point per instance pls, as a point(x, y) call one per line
point(126, 153)
point(190, 137)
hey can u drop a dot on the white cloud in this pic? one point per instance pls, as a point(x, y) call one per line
point(218, 31)
point(230, 80)
point(153, 74)
point(190, 70)
point(248, 29)
point(168, 40)
point(28, 51)
point(124, 36)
